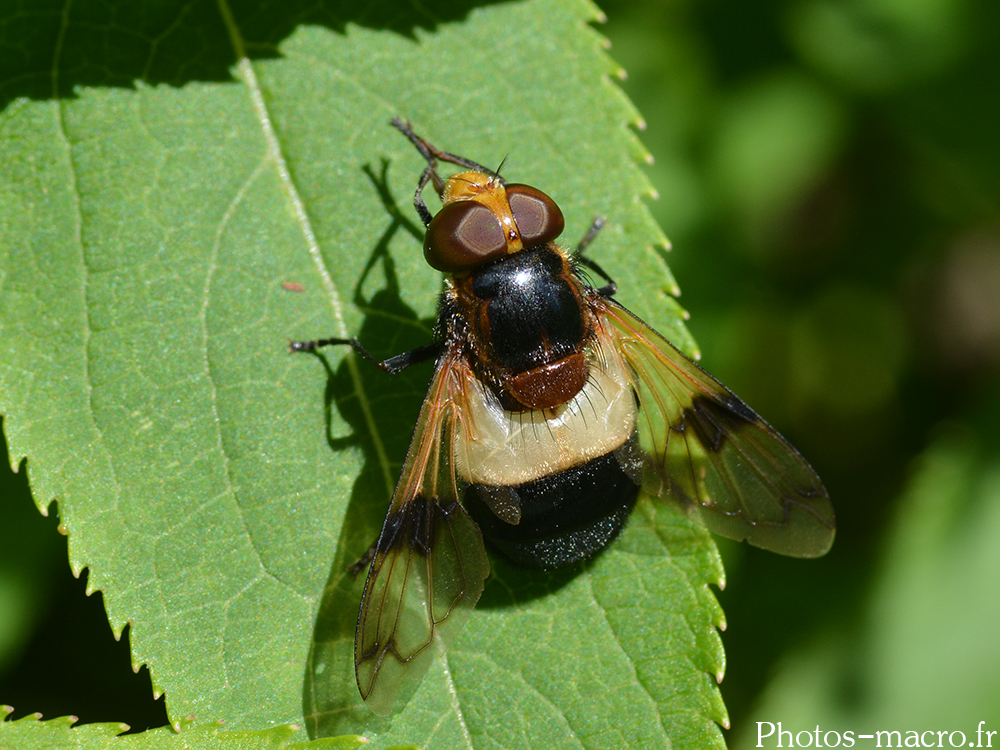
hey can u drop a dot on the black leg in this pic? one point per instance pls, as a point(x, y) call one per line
point(595, 226)
point(609, 289)
point(418, 198)
point(430, 173)
point(392, 365)
point(432, 154)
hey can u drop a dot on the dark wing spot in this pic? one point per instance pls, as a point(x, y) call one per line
point(713, 420)
point(411, 527)
point(739, 409)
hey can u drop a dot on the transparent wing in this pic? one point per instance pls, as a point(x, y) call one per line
point(429, 565)
point(704, 449)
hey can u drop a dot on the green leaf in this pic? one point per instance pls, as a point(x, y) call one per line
point(29, 733)
point(163, 241)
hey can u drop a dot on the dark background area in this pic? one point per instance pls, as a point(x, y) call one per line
point(829, 174)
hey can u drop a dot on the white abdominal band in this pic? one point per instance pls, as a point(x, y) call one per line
point(517, 447)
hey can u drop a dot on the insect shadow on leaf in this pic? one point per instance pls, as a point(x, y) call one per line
point(330, 700)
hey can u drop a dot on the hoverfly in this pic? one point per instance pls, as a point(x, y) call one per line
point(551, 406)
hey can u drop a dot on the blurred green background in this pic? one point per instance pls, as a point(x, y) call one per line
point(829, 174)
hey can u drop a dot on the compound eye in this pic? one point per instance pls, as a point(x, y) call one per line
point(537, 216)
point(462, 235)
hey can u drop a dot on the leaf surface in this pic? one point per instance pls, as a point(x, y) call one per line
point(29, 733)
point(162, 241)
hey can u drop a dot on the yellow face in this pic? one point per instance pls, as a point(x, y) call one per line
point(489, 192)
point(483, 219)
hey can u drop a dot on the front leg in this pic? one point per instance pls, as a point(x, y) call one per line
point(392, 365)
point(609, 289)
